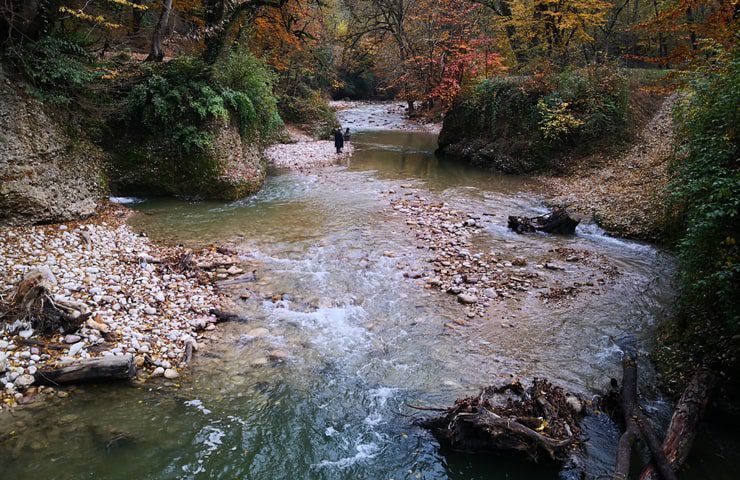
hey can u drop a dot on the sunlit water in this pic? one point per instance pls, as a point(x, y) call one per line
point(362, 340)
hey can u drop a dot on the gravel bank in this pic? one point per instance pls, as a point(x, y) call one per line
point(141, 301)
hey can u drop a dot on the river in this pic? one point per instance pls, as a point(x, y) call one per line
point(359, 339)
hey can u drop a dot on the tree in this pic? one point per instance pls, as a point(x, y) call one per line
point(156, 54)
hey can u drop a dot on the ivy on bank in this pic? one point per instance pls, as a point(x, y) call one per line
point(707, 187)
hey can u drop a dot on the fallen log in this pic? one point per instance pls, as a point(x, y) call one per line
point(33, 307)
point(101, 369)
point(539, 422)
point(685, 422)
point(636, 423)
point(558, 221)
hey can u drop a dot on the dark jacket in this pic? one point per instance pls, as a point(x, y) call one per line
point(338, 139)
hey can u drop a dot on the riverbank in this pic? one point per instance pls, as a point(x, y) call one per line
point(626, 193)
point(304, 153)
point(145, 299)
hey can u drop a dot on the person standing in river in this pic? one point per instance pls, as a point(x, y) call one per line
point(338, 140)
point(346, 135)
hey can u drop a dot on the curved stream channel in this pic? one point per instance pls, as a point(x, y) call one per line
point(361, 339)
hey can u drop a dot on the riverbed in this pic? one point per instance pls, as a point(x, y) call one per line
point(315, 383)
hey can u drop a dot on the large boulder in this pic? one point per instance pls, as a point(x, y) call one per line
point(229, 169)
point(47, 173)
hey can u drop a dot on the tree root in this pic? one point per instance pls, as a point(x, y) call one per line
point(33, 307)
point(540, 422)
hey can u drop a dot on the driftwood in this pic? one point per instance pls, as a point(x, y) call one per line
point(685, 422)
point(33, 307)
point(558, 221)
point(636, 424)
point(539, 422)
point(101, 369)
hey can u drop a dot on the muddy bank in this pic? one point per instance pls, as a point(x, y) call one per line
point(143, 299)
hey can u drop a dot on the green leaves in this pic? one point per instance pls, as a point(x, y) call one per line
point(707, 186)
point(180, 98)
point(55, 69)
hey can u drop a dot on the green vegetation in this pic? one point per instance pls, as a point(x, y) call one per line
point(544, 115)
point(178, 101)
point(311, 111)
point(708, 188)
point(54, 69)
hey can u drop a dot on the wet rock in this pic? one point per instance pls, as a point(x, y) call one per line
point(519, 262)
point(259, 362)
point(171, 374)
point(258, 332)
point(278, 355)
point(158, 372)
point(553, 266)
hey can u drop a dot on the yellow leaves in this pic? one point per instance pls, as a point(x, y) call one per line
point(342, 28)
point(542, 426)
point(86, 17)
point(126, 3)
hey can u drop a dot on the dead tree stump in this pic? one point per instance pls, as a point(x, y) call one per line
point(32, 306)
point(541, 422)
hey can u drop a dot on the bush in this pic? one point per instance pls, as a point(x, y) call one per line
point(247, 87)
point(310, 110)
point(178, 100)
point(55, 68)
point(707, 186)
point(541, 115)
point(174, 103)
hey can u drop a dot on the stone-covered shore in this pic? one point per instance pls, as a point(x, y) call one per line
point(142, 302)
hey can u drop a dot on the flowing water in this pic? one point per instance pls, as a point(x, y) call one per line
point(362, 340)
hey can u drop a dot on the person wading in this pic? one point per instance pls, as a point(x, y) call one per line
point(346, 135)
point(338, 140)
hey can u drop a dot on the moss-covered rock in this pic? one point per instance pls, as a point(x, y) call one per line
point(229, 168)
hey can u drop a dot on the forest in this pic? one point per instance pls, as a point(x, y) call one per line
point(285, 223)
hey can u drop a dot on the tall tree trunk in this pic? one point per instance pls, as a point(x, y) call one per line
point(136, 15)
point(156, 53)
point(692, 32)
point(635, 17)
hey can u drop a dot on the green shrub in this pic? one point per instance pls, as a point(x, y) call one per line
point(55, 69)
point(174, 104)
point(247, 88)
point(179, 100)
point(541, 115)
point(311, 110)
point(707, 186)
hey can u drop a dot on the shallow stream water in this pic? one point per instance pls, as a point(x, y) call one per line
point(361, 340)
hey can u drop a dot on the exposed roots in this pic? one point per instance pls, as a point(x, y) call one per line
point(539, 422)
point(33, 307)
